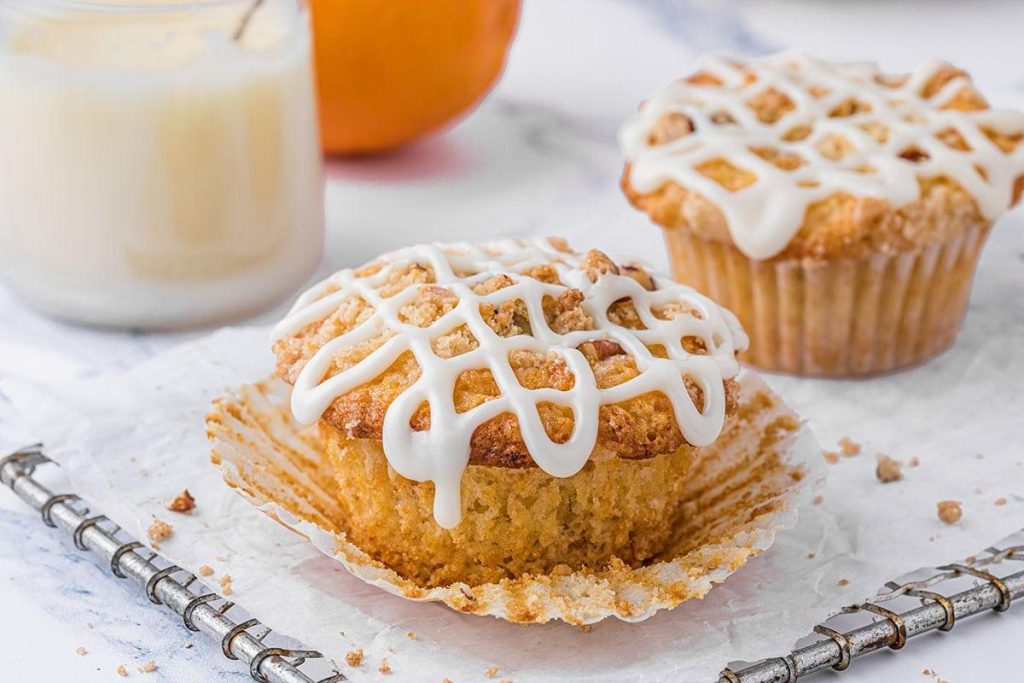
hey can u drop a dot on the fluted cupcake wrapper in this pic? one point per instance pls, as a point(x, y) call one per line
point(843, 317)
point(746, 487)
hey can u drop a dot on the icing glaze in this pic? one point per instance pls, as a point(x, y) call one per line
point(441, 454)
point(764, 216)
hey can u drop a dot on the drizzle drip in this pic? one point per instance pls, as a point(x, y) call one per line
point(441, 454)
point(764, 215)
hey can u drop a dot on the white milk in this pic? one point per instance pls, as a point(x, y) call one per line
point(154, 170)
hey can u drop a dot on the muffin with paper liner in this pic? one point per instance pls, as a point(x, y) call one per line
point(839, 211)
point(520, 430)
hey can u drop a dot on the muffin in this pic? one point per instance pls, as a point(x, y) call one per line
point(511, 408)
point(837, 210)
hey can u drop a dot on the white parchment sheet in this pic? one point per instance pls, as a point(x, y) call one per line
point(130, 442)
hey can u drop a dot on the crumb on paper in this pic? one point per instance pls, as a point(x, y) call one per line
point(888, 469)
point(80, 650)
point(492, 671)
point(159, 530)
point(999, 502)
point(914, 462)
point(849, 447)
point(122, 670)
point(183, 503)
point(205, 570)
point(950, 511)
point(148, 668)
point(830, 457)
point(384, 667)
point(818, 500)
point(843, 582)
point(354, 657)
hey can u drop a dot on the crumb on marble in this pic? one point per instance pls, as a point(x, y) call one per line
point(949, 511)
point(384, 667)
point(148, 668)
point(354, 657)
point(980, 456)
point(811, 555)
point(206, 570)
point(411, 635)
point(492, 672)
point(159, 530)
point(843, 582)
point(849, 447)
point(183, 503)
point(913, 462)
point(818, 500)
point(999, 502)
point(831, 457)
point(80, 650)
point(122, 670)
point(888, 469)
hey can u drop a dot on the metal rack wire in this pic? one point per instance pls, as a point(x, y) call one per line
point(246, 639)
point(165, 584)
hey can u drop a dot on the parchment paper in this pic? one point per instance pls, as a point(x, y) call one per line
point(131, 442)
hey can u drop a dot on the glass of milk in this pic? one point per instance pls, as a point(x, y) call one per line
point(159, 159)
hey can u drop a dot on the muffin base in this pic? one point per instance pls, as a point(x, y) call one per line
point(514, 521)
point(842, 317)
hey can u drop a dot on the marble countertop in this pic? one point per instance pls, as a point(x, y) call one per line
point(539, 157)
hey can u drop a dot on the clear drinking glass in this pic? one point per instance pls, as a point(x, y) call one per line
point(159, 159)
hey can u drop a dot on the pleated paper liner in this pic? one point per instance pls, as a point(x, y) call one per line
point(845, 317)
point(746, 488)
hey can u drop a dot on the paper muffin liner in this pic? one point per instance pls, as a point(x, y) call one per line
point(747, 488)
point(843, 317)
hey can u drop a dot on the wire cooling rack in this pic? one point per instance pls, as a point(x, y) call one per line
point(248, 640)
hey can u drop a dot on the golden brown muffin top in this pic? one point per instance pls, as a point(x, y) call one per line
point(790, 156)
point(481, 337)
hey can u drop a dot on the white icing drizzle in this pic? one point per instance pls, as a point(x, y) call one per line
point(442, 453)
point(764, 216)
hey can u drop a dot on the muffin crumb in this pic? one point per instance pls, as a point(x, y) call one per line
point(999, 502)
point(183, 503)
point(818, 500)
point(411, 635)
point(384, 667)
point(492, 672)
point(831, 457)
point(80, 650)
point(159, 530)
point(950, 511)
point(913, 462)
point(843, 582)
point(148, 668)
point(888, 469)
point(354, 657)
point(849, 447)
point(205, 570)
point(122, 671)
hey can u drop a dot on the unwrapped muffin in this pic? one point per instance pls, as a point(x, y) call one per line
point(837, 210)
point(511, 408)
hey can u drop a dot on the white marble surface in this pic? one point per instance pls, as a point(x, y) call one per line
point(538, 157)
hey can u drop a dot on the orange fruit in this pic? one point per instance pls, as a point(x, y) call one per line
point(389, 73)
